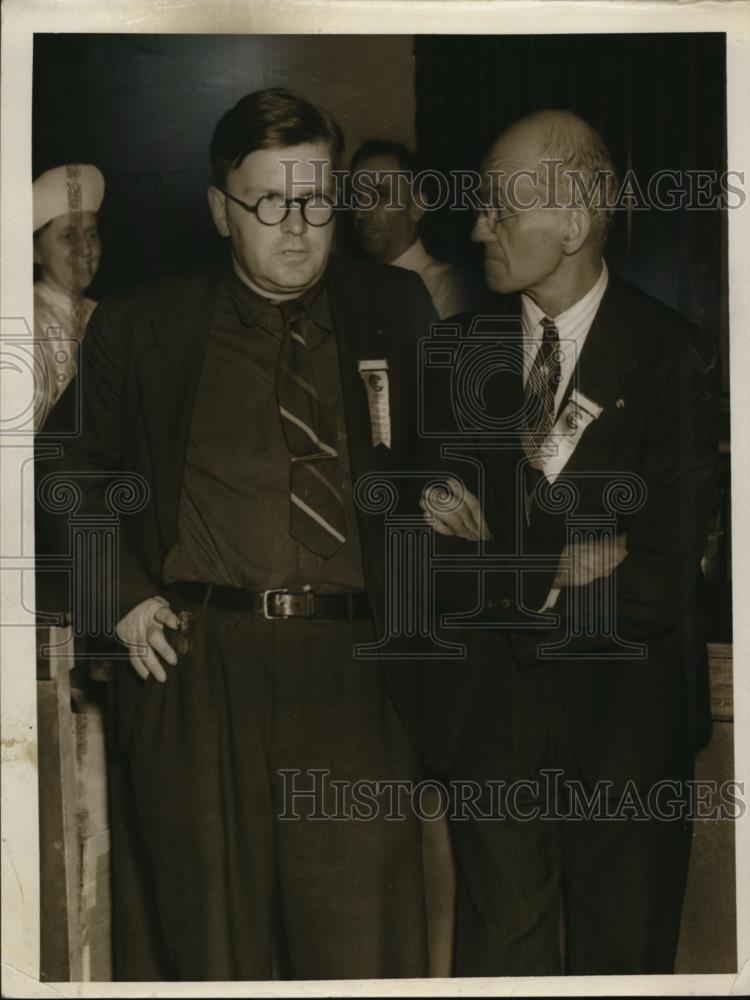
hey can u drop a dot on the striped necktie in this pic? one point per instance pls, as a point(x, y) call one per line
point(539, 409)
point(316, 509)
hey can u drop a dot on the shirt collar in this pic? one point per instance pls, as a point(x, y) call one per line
point(56, 296)
point(255, 310)
point(414, 258)
point(572, 324)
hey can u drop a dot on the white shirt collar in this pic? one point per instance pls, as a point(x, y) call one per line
point(57, 297)
point(575, 322)
point(414, 258)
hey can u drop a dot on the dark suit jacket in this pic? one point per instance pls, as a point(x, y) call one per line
point(656, 378)
point(138, 373)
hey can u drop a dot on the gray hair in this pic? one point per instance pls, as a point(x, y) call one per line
point(579, 156)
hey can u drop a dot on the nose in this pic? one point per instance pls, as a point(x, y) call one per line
point(81, 246)
point(481, 232)
point(294, 223)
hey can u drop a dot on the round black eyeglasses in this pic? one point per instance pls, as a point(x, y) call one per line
point(272, 209)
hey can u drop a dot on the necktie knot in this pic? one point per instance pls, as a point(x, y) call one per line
point(291, 311)
point(550, 333)
point(293, 316)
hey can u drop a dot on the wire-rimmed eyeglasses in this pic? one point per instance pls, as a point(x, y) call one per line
point(272, 209)
point(493, 215)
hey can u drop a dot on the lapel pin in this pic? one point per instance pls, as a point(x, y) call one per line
point(620, 404)
point(374, 374)
point(555, 452)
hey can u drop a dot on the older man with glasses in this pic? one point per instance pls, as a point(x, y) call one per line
point(250, 398)
point(593, 700)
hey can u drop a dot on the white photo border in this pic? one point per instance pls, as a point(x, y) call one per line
point(21, 18)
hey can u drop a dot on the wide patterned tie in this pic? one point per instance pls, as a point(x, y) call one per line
point(539, 410)
point(316, 509)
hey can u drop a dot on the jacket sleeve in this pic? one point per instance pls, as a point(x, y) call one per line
point(86, 478)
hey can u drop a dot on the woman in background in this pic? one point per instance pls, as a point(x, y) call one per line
point(66, 251)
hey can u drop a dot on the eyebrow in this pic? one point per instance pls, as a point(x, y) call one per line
point(276, 193)
point(492, 194)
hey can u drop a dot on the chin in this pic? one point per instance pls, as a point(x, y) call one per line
point(502, 283)
point(373, 247)
point(81, 279)
point(496, 284)
point(298, 275)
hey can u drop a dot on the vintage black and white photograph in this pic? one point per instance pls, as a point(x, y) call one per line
point(372, 575)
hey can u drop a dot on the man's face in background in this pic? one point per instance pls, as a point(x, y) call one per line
point(385, 230)
point(285, 259)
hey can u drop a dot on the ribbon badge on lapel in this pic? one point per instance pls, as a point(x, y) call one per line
point(554, 454)
point(375, 377)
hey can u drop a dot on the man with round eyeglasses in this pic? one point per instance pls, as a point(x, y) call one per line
point(240, 395)
point(272, 210)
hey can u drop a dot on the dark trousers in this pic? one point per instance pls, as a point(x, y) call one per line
point(540, 894)
point(254, 716)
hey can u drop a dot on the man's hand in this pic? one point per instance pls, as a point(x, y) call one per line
point(142, 631)
point(581, 564)
point(589, 562)
point(452, 510)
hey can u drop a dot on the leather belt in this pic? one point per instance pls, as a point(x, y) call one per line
point(282, 603)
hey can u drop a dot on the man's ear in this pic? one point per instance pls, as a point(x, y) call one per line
point(576, 231)
point(217, 202)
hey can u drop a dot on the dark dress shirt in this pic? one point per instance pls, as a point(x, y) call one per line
point(233, 525)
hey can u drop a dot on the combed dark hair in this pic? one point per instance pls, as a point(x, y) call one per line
point(384, 147)
point(273, 118)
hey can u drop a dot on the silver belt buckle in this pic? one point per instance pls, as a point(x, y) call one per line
point(295, 605)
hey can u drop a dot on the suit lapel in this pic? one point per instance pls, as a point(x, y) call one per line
point(168, 374)
point(607, 358)
point(357, 338)
point(501, 321)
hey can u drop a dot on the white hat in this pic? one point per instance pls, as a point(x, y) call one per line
point(75, 187)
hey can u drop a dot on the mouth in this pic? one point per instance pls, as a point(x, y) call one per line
point(368, 236)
